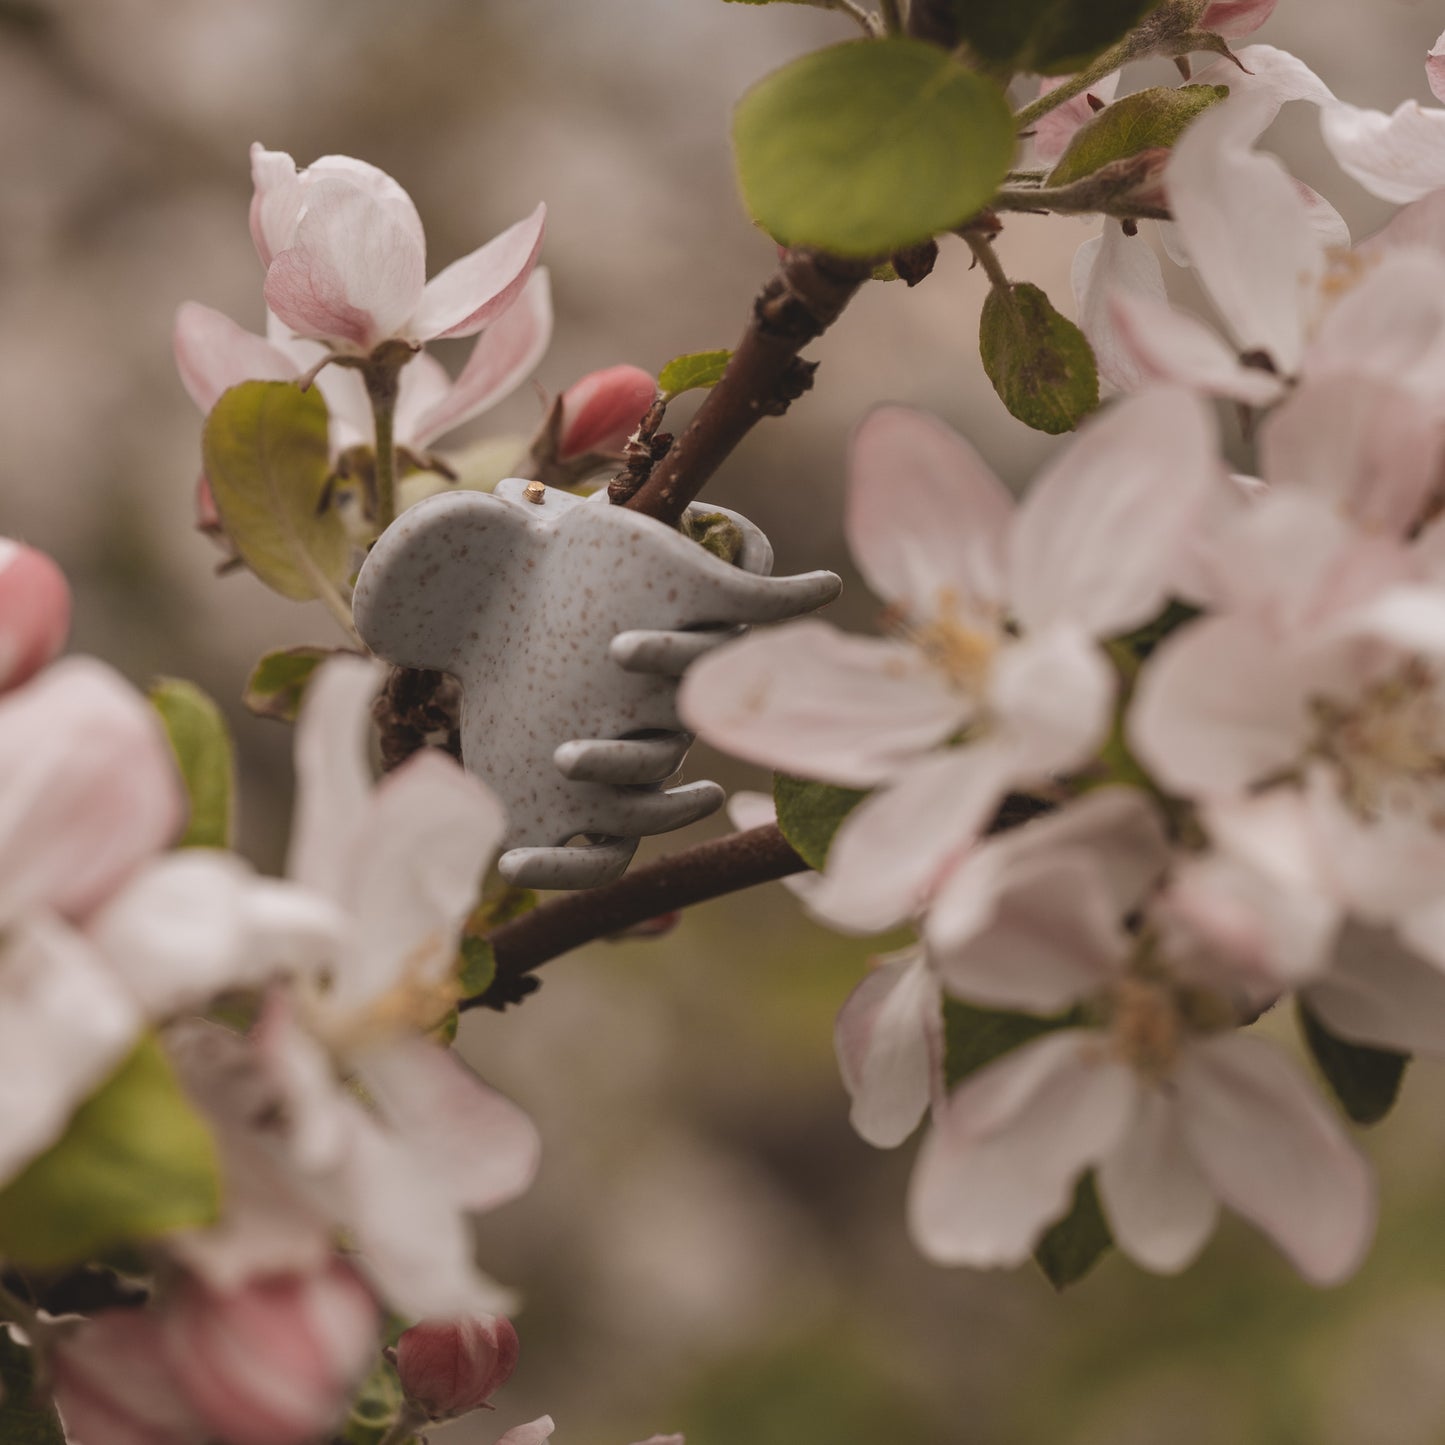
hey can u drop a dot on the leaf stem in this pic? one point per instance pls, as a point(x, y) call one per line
point(892, 16)
point(1106, 64)
point(987, 257)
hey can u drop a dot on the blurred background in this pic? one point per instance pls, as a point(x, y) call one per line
point(709, 1247)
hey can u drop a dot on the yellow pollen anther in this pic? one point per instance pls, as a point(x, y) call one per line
point(1146, 1027)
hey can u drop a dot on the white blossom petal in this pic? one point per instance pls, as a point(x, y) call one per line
point(65, 1025)
point(213, 353)
point(1359, 442)
point(195, 923)
point(416, 866)
point(1398, 157)
point(1247, 231)
point(463, 298)
point(893, 848)
point(926, 517)
point(1000, 1164)
point(474, 1144)
point(1379, 994)
point(505, 354)
point(1052, 695)
point(333, 779)
point(1156, 342)
point(88, 788)
point(808, 699)
point(889, 1043)
point(1042, 937)
point(1219, 706)
point(1098, 537)
point(1105, 266)
point(1274, 1152)
point(354, 270)
point(1159, 1206)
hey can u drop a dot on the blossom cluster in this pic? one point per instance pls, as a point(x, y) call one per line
point(1220, 697)
point(114, 941)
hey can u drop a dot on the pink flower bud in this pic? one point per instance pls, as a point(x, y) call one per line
point(1233, 18)
point(602, 410)
point(113, 1387)
point(274, 1362)
point(34, 612)
point(451, 1366)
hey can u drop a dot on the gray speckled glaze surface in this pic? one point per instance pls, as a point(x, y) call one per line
point(568, 624)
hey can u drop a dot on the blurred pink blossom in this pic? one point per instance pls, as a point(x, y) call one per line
point(275, 1361)
point(34, 612)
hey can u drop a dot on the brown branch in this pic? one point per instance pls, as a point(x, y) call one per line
point(765, 374)
point(708, 870)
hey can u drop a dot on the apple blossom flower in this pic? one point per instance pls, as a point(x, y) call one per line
point(104, 933)
point(34, 612)
point(1156, 1090)
point(403, 862)
point(213, 353)
point(449, 1367)
point(275, 1361)
point(345, 258)
point(994, 677)
point(1306, 716)
point(1275, 261)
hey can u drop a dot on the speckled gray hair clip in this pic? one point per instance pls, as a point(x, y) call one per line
point(568, 623)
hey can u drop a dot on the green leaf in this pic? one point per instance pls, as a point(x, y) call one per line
point(867, 147)
point(973, 1037)
point(695, 370)
point(1039, 362)
point(810, 813)
point(1046, 37)
point(23, 1420)
point(201, 742)
point(1146, 120)
point(1365, 1080)
point(136, 1162)
point(375, 1408)
point(278, 680)
point(478, 967)
point(268, 460)
point(1073, 1246)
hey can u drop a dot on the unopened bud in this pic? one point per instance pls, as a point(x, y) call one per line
point(34, 612)
point(1233, 18)
point(274, 1362)
point(448, 1367)
point(602, 410)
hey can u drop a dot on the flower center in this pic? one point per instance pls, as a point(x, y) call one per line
point(958, 643)
point(1388, 748)
point(1146, 1026)
point(417, 1002)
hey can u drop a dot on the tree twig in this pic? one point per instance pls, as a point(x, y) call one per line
point(707, 870)
point(765, 374)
